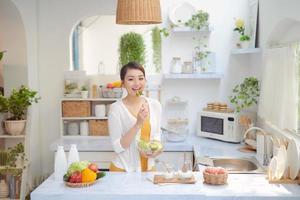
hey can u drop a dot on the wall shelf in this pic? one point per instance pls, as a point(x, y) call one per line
point(12, 136)
point(83, 118)
point(194, 76)
point(187, 29)
point(90, 99)
point(245, 51)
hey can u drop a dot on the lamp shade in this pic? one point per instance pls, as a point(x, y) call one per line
point(138, 12)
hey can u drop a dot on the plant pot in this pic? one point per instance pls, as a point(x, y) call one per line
point(14, 127)
point(84, 94)
point(245, 44)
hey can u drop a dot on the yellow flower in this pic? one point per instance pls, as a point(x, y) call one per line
point(239, 23)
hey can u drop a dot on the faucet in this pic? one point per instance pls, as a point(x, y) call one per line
point(266, 158)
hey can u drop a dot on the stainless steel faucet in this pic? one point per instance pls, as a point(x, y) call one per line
point(266, 156)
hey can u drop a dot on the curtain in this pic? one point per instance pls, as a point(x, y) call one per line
point(278, 101)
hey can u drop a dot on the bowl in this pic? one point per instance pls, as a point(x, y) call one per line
point(149, 148)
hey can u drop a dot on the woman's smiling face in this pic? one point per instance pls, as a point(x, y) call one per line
point(134, 81)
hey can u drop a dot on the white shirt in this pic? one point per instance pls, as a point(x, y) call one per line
point(120, 120)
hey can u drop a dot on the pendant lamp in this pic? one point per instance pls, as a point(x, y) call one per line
point(138, 12)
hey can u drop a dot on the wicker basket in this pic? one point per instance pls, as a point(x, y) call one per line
point(79, 185)
point(76, 108)
point(98, 127)
point(215, 179)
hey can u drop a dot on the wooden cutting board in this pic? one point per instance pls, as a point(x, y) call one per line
point(161, 179)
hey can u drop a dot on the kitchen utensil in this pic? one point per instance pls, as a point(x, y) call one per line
point(293, 159)
point(272, 168)
point(281, 162)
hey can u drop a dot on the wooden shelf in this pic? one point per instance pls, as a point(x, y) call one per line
point(194, 76)
point(12, 136)
point(245, 51)
point(90, 99)
point(83, 118)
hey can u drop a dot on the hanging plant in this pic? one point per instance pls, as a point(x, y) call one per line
point(245, 94)
point(132, 48)
point(156, 45)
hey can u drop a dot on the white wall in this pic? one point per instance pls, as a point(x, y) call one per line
point(101, 43)
point(48, 27)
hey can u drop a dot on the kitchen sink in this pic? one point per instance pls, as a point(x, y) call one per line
point(233, 165)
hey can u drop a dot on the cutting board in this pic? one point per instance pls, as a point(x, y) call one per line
point(161, 179)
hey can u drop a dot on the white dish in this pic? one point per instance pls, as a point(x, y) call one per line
point(251, 143)
point(281, 162)
point(273, 167)
point(293, 159)
point(182, 13)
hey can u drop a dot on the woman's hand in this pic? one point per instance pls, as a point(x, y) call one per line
point(153, 155)
point(143, 114)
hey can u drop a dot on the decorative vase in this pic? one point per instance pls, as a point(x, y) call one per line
point(4, 191)
point(84, 94)
point(14, 127)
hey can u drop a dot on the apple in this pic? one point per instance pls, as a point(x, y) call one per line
point(93, 167)
point(75, 177)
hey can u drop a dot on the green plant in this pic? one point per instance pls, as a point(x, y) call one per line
point(245, 94)
point(132, 48)
point(240, 27)
point(1, 54)
point(198, 21)
point(18, 102)
point(156, 45)
point(14, 152)
point(84, 88)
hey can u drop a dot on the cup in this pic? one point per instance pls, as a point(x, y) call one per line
point(100, 110)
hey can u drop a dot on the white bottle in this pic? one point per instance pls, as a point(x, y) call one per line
point(73, 155)
point(84, 128)
point(60, 165)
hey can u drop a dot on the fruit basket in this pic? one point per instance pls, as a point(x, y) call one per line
point(82, 174)
point(149, 148)
point(215, 176)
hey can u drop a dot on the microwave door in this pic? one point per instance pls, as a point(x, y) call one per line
point(212, 125)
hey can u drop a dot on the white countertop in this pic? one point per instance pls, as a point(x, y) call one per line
point(135, 186)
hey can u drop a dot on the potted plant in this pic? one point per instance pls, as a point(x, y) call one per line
point(84, 92)
point(132, 48)
point(245, 94)
point(16, 156)
point(16, 106)
point(244, 39)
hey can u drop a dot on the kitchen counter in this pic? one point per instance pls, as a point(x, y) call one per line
point(136, 186)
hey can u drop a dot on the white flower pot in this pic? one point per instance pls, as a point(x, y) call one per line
point(14, 127)
point(245, 44)
point(84, 94)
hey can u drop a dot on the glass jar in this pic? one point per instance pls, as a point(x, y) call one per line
point(176, 65)
point(187, 68)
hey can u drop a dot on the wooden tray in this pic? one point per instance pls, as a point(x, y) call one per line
point(229, 110)
point(161, 179)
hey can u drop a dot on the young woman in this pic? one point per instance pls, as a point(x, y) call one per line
point(132, 118)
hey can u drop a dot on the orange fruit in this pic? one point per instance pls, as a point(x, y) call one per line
point(88, 175)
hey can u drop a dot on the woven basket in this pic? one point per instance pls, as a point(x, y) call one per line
point(215, 179)
point(98, 127)
point(79, 185)
point(76, 109)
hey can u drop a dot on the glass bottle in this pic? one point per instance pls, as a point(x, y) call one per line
point(60, 165)
point(73, 155)
point(176, 65)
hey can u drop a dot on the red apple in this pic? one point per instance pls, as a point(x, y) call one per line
point(93, 167)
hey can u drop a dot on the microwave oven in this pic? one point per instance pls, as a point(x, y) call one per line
point(220, 126)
